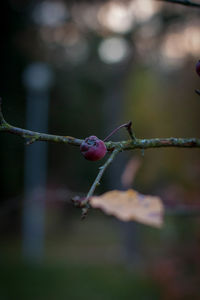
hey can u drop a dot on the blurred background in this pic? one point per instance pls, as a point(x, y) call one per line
point(82, 68)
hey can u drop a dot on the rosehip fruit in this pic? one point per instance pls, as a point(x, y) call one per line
point(198, 68)
point(93, 148)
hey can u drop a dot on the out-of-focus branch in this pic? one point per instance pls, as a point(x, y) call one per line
point(183, 2)
point(197, 92)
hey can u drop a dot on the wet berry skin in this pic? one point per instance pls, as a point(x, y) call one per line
point(198, 68)
point(93, 148)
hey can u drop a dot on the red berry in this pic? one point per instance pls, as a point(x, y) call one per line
point(93, 148)
point(198, 68)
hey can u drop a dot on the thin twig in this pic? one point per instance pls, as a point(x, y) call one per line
point(183, 2)
point(130, 130)
point(102, 169)
point(197, 92)
point(127, 126)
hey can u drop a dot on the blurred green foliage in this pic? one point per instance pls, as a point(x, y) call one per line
point(74, 281)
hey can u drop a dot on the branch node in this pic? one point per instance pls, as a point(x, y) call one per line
point(31, 140)
point(79, 201)
point(85, 211)
point(127, 126)
point(130, 131)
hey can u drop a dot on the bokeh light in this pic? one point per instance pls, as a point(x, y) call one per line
point(113, 50)
point(50, 13)
point(116, 17)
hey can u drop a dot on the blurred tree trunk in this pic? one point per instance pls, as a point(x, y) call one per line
point(114, 116)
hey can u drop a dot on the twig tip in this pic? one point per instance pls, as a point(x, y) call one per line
point(197, 92)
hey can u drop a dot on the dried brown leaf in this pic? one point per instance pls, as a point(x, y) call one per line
point(131, 206)
point(130, 171)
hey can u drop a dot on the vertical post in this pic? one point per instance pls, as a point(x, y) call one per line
point(37, 79)
point(130, 231)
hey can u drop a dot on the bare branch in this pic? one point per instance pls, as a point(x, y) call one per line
point(102, 169)
point(114, 147)
point(183, 2)
point(32, 136)
point(155, 143)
